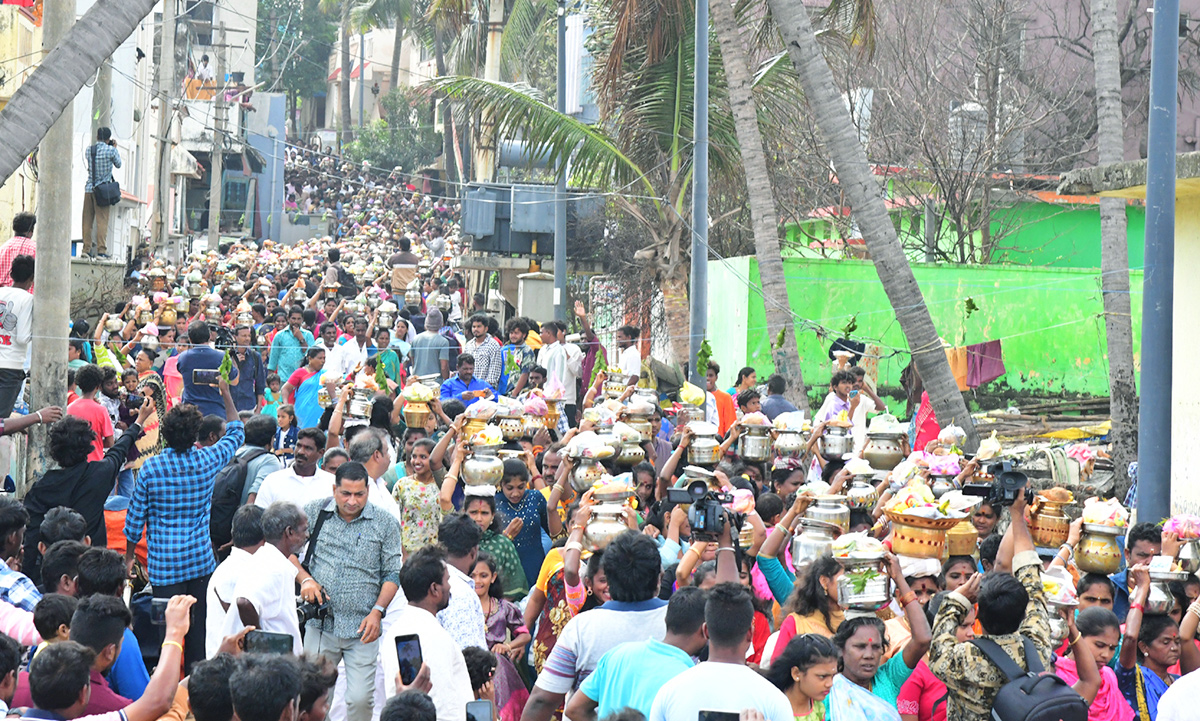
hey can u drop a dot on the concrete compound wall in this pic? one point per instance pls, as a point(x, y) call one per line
point(1050, 321)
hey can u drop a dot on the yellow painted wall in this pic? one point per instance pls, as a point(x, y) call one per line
point(20, 46)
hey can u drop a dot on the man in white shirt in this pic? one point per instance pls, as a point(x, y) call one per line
point(632, 566)
point(265, 594)
point(630, 358)
point(425, 580)
point(728, 685)
point(463, 617)
point(353, 353)
point(302, 481)
point(563, 363)
point(16, 330)
point(247, 539)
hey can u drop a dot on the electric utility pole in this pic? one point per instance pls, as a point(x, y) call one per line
point(52, 273)
point(166, 110)
point(218, 148)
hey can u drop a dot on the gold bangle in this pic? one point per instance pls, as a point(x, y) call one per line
point(693, 550)
point(1073, 641)
point(176, 644)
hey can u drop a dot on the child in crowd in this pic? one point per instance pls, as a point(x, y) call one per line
point(285, 435)
point(271, 408)
point(52, 619)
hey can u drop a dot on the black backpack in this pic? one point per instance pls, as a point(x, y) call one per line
point(1030, 695)
point(227, 498)
point(349, 287)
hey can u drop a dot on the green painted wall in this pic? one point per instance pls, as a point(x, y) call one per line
point(1049, 319)
point(1031, 233)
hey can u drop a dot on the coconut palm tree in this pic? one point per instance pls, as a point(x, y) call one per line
point(640, 150)
point(344, 7)
point(41, 100)
point(397, 14)
point(1114, 250)
point(853, 170)
point(781, 329)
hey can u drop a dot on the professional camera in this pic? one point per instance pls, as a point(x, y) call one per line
point(308, 611)
point(707, 514)
point(1005, 487)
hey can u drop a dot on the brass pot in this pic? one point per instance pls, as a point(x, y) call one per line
point(415, 414)
point(963, 539)
point(642, 426)
point(512, 428)
point(884, 451)
point(1049, 526)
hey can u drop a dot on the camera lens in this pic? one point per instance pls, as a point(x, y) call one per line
point(697, 489)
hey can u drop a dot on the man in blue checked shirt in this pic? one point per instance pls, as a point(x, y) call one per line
point(15, 587)
point(101, 157)
point(172, 500)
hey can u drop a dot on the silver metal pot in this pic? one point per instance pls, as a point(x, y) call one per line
point(586, 473)
point(789, 444)
point(1189, 556)
point(630, 454)
point(606, 523)
point(861, 494)
point(942, 484)
point(704, 451)
point(483, 467)
point(1160, 600)
point(755, 443)
point(836, 442)
point(814, 540)
point(830, 509)
point(868, 574)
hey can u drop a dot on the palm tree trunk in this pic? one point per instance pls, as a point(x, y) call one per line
point(1114, 250)
point(764, 222)
point(397, 45)
point(40, 101)
point(344, 79)
point(677, 313)
point(449, 146)
point(863, 192)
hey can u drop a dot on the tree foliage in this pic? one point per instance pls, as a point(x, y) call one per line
point(294, 39)
point(400, 139)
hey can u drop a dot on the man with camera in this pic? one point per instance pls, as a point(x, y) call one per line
point(1011, 609)
point(353, 557)
point(199, 365)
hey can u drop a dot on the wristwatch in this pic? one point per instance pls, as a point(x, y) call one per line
point(381, 609)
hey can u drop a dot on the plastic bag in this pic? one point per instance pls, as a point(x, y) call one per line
point(691, 395)
point(1185, 526)
point(1105, 513)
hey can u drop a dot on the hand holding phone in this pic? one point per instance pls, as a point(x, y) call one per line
point(268, 642)
point(158, 611)
point(481, 710)
point(408, 654)
point(204, 377)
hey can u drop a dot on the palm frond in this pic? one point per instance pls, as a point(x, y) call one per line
point(854, 21)
point(521, 113)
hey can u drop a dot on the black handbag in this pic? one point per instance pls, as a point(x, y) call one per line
point(106, 193)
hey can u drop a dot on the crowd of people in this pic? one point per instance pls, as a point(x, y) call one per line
point(237, 493)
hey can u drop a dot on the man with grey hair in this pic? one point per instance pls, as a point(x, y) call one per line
point(369, 448)
point(265, 594)
point(430, 349)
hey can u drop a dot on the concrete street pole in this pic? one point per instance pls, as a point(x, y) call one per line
point(1154, 410)
point(698, 293)
point(217, 161)
point(52, 274)
point(560, 188)
point(166, 98)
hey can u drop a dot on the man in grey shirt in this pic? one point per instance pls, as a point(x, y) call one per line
point(260, 433)
point(431, 350)
point(354, 557)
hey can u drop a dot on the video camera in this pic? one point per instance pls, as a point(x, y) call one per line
point(1006, 485)
point(707, 513)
